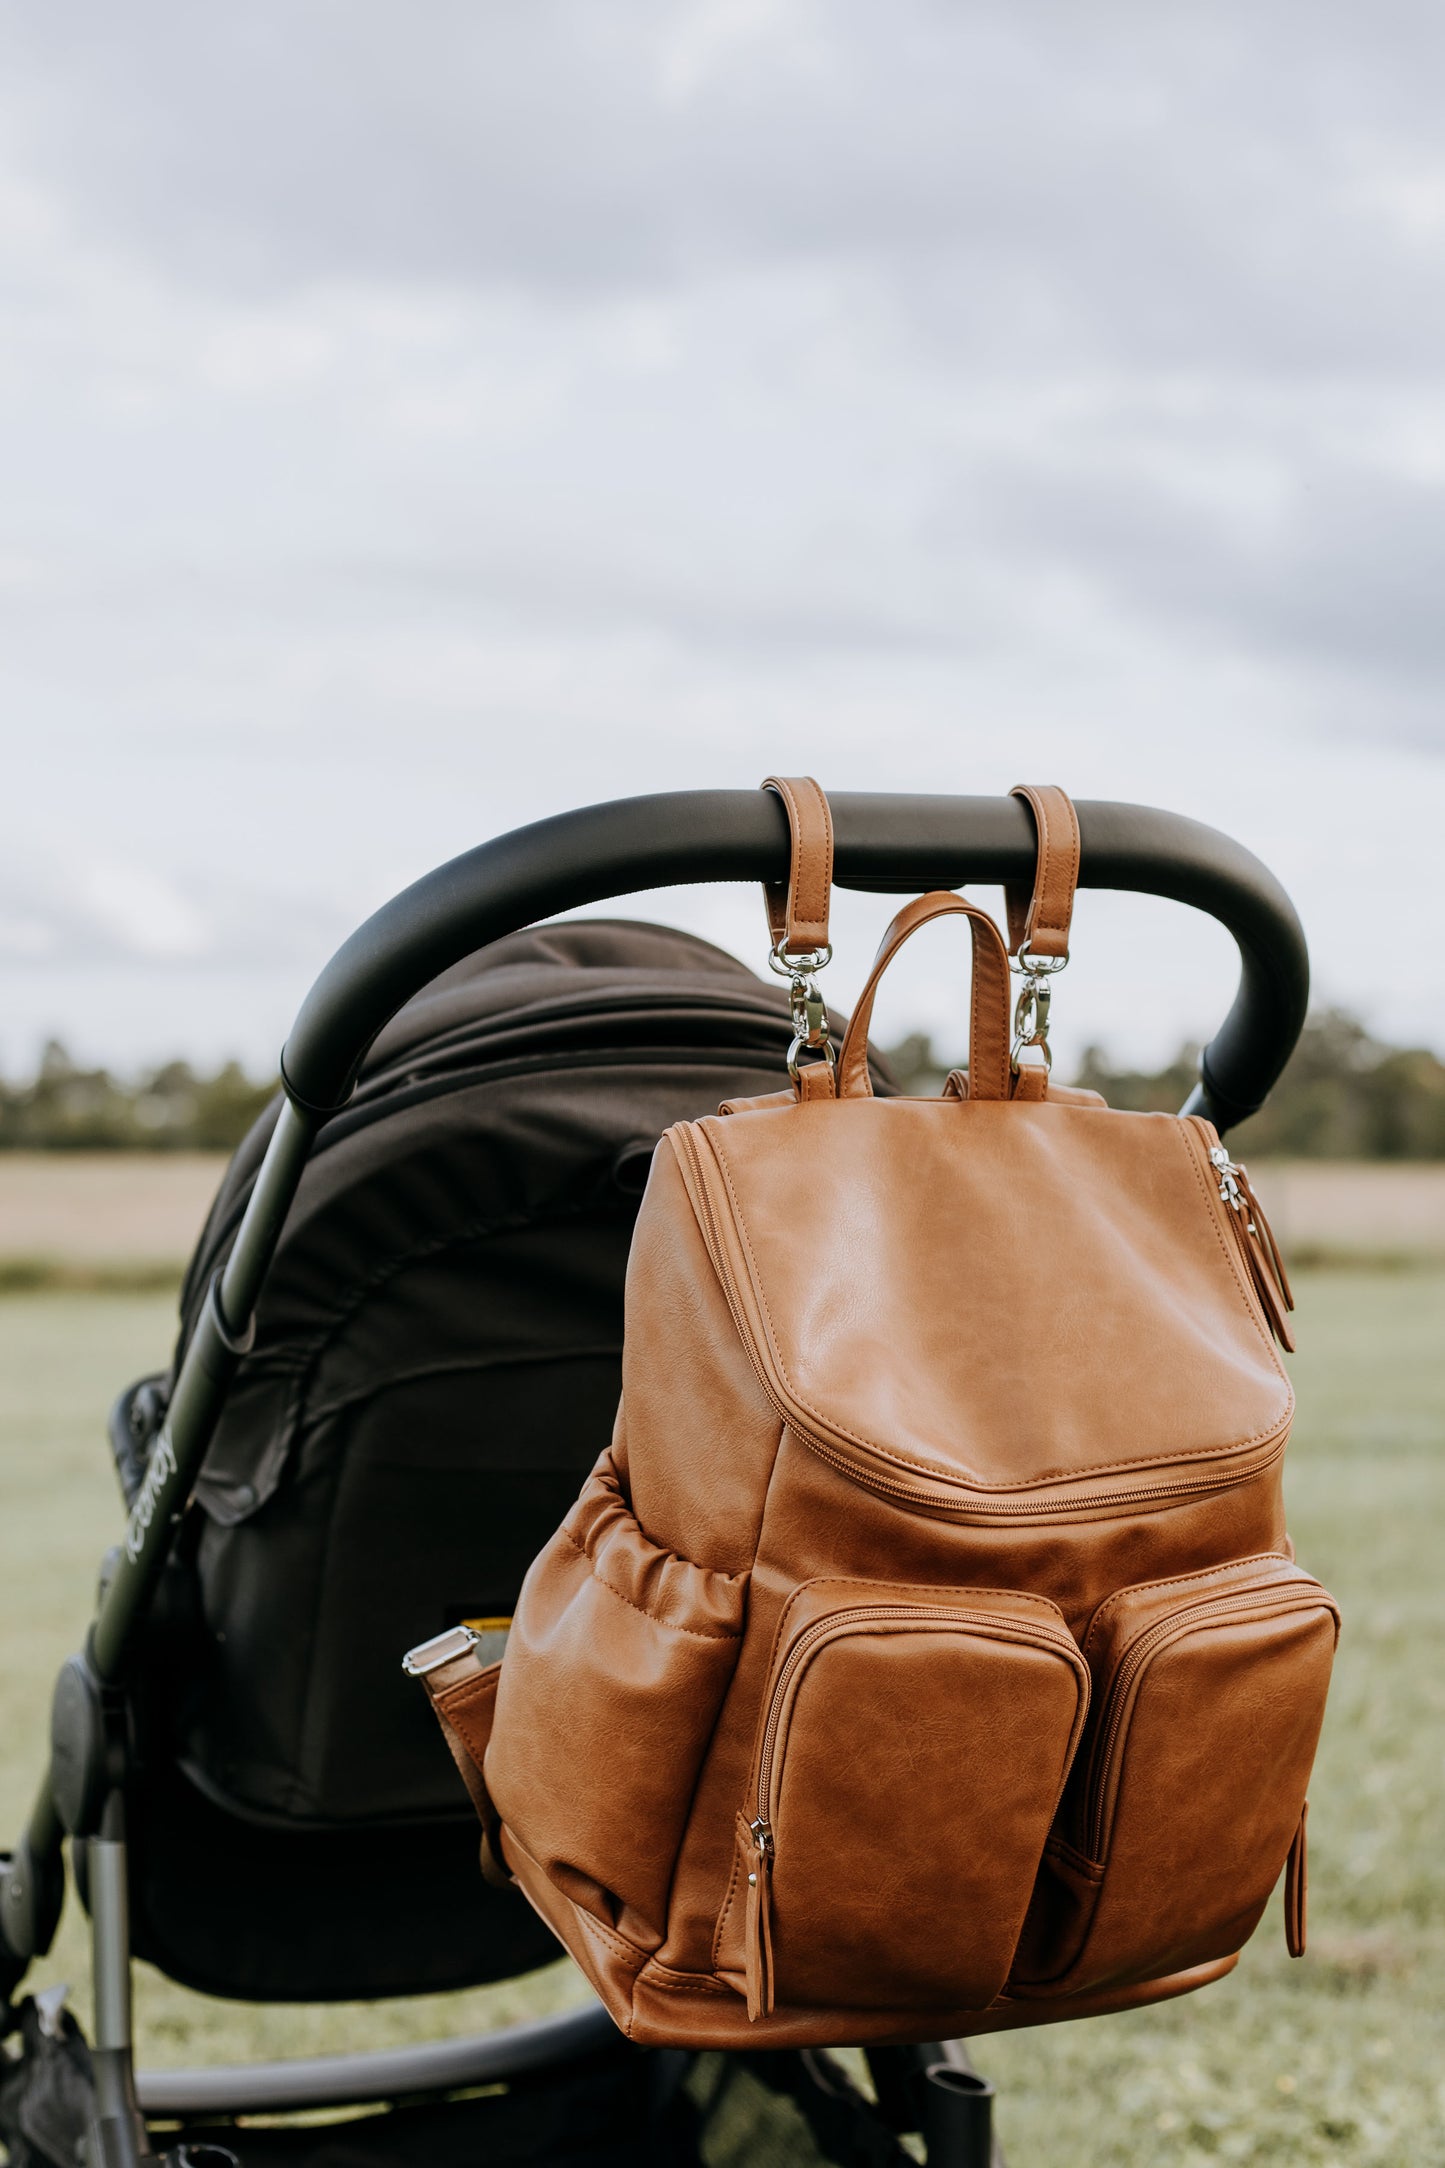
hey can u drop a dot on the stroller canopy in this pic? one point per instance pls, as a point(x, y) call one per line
point(437, 1364)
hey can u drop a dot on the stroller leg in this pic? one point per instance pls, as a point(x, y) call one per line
point(118, 2137)
point(957, 2116)
point(935, 2090)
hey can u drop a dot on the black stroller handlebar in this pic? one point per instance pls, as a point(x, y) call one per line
point(890, 844)
point(899, 845)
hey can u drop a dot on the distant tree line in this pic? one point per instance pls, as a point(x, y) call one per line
point(1344, 1095)
point(171, 1109)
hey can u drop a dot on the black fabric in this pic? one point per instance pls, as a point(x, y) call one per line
point(609, 2113)
point(47, 2094)
point(436, 1366)
point(778, 2110)
point(262, 1913)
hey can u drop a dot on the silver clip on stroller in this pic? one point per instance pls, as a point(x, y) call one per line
point(336, 1445)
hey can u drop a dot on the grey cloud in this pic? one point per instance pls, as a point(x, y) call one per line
point(1121, 181)
point(1033, 363)
point(1343, 577)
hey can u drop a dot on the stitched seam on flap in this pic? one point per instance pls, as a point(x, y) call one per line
point(918, 1467)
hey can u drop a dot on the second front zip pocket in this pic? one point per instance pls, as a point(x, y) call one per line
point(1209, 1693)
point(913, 1746)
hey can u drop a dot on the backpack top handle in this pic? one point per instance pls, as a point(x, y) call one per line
point(988, 1036)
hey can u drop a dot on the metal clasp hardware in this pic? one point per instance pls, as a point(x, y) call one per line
point(1225, 1168)
point(429, 1655)
point(809, 1011)
point(1230, 1192)
point(1031, 1010)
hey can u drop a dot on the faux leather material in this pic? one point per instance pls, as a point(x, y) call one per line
point(618, 1658)
point(656, 2006)
point(1296, 1887)
point(798, 914)
point(989, 1009)
point(1041, 918)
point(464, 1697)
point(857, 1772)
point(940, 1322)
point(926, 1656)
point(1209, 1695)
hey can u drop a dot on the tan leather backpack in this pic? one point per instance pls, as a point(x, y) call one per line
point(927, 1654)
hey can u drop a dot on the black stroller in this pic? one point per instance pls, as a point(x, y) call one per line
point(399, 1354)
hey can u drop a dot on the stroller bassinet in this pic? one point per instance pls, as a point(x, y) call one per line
point(399, 1355)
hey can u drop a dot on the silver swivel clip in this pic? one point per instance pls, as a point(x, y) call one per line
point(805, 1000)
point(1031, 1010)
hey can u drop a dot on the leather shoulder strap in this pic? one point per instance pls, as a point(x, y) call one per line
point(1041, 918)
point(988, 1050)
point(798, 914)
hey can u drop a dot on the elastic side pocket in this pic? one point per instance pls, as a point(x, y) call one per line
point(1209, 1696)
point(619, 1656)
point(913, 1746)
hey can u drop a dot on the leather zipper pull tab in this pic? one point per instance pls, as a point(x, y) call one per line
point(1260, 1227)
point(758, 1859)
point(1271, 1294)
point(1257, 1245)
point(1296, 1888)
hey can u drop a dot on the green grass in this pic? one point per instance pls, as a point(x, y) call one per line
point(1336, 2059)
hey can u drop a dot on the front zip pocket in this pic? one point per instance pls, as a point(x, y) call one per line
point(1209, 1693)
point(912, 1750)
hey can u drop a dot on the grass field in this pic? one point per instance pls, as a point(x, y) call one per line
point(1338, 2059)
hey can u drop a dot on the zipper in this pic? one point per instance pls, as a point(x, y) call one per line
point(1253, 1236)
point(762, 1842)
point(948, 1504)
point(1137, 1655)
point(758, 1922)
point(842, 1622)
point(953, 1504)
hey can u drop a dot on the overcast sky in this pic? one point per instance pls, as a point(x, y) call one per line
point(417, 419)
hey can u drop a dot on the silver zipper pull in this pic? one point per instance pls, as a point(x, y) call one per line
point(760, 1829)
point(1228, 1176)
point(429, 1655)
point(1230, 1189)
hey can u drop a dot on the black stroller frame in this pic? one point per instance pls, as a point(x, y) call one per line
point(887, 844)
